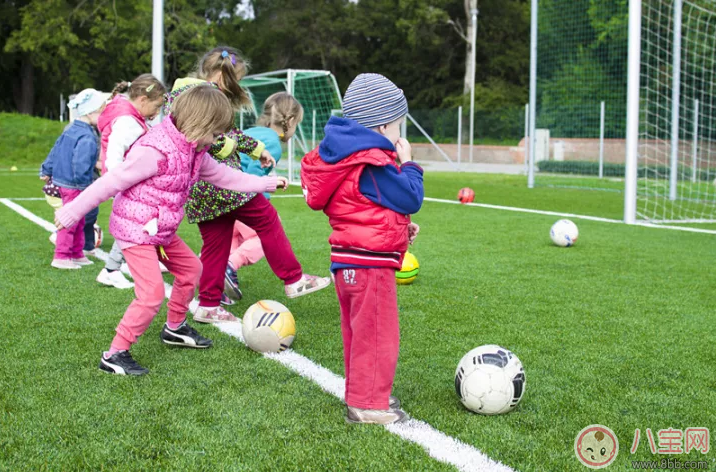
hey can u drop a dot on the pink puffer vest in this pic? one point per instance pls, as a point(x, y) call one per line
point(162, 196)
point(119, 106)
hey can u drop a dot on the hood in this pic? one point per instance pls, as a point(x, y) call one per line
point(345, 137)
point(184, 81)
point(118, 106)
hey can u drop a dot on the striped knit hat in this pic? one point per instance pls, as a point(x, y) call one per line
point(373, 100)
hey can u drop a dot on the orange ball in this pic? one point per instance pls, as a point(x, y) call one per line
point(466, 195)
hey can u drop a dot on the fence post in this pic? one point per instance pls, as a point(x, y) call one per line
point(62, 108)
point(459, 135)
point(533, 94)
point(313, 131)
point(601, 140)
point(527, 137)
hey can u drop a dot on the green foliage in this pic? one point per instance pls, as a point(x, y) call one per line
point(25, 140)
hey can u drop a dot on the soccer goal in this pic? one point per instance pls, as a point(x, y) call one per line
point(671, 153)
point(318, 93)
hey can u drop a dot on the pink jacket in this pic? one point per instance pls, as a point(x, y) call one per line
point(119, 106)
point(154, 183)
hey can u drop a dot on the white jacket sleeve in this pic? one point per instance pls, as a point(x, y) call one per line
point(125, 131)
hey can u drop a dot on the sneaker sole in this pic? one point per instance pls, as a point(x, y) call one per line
point(401, 420)
point(310, 290)
point(66, 268)
point(212, 321)
point(108, 368)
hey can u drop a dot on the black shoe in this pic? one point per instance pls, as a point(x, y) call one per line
point(121, 363)
point(184, 336)
point(231, 283)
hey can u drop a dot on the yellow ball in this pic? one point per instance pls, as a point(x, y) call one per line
point(268, 326)
point(409, 272)
point(13, 169)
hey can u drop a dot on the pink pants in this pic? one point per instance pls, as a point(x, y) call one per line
point(371, 334)
point(70, 241)
point(245, 246)
point(143, 261)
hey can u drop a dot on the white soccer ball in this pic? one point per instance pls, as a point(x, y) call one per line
point(268, 326)
point(564, 233)
point(490, 380)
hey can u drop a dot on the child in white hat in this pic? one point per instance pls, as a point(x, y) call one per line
point(70, 164)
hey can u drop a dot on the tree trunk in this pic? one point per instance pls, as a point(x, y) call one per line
point(25, 89)
point(469, 6)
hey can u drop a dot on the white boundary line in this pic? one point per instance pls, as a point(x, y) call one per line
point(437, 444)
point(569, 215)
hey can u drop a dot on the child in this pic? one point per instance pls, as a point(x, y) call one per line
point(70, 164)
point(281, 115)
point(151, 187)
point(352, 177)
point(120, 125)
point(215, 210)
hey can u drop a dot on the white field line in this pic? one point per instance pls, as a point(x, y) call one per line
point(438, 445)
point(568, 215)
point(27, 199)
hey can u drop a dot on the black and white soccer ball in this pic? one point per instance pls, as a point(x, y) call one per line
point(490, 380)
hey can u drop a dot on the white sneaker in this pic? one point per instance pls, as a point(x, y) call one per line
point(113, 279)
point(89, 253)
point(82, 261)
point(213, 315)
point(307, 284)
point(64, 264)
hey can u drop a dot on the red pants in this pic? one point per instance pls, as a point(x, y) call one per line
point(70, 241)
point(143, 262)
point(371, 334)
point(259, 215)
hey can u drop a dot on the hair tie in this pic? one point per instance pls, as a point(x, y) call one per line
point(149, 89)
point(225, 54)
point(129, 84)
point(233, 59)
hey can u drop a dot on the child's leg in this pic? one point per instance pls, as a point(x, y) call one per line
point(115, 258)
point(66, 245)
point(186, 268)
point(88, 229)
point(259, 215)
point(143, 262)
point(369, 308)
point(245, 246)
point(216, 236)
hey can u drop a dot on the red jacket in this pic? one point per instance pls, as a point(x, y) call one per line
point(364, 233)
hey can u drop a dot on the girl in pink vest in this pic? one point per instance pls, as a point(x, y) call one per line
point(120, 125)
point(151, 187)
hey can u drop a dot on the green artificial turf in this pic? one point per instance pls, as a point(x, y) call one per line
point(616, 330)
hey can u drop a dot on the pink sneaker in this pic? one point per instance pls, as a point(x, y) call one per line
point(213, 315)
point(82, 261)
point(307, 284)
point(64, 264)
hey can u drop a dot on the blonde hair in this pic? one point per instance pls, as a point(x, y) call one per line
point(202, 110)
point(279, 110)
point(146, 85)
point(233, 68)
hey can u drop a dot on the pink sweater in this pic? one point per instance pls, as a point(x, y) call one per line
point(141, 164)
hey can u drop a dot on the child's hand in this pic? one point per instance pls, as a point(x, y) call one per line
point(45, 178)
point(58, 224)
point(404, 150)
point(267, 159)
point(282, 182)
point(413, 230)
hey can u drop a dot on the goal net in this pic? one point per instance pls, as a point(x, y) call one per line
point(677, 147)
point(318, 93)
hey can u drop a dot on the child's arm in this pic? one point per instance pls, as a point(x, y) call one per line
point(399, 189)
point(125, 131)
point(141, 164)
point(224, 176)
point(47, 165)
point(236, 140)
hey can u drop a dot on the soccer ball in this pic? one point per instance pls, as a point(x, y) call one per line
point(466, 195)
point(564, 233)
point(490, 380)
point(409, 272)
point(268, 326)
point(97, 236)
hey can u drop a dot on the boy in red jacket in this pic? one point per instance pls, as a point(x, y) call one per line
point(352, 176)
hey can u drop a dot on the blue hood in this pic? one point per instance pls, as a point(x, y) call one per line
point(345, 137)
